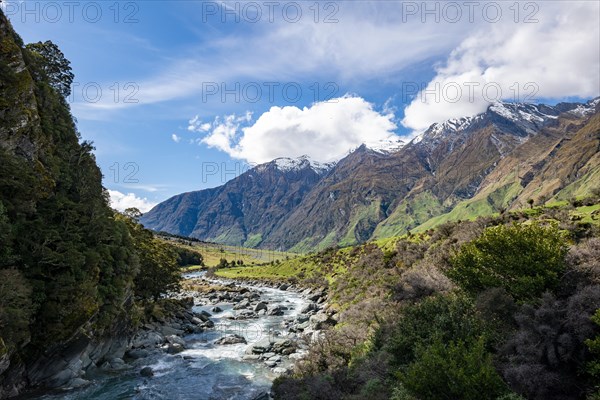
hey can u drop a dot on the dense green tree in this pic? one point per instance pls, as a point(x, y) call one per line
point(525, 260)
point(52, 62)
point(159, 271)
point(15, 307)
point(455, 370)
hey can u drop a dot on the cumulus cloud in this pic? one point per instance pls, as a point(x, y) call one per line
point(176, 138)
point(121, 201)
point(556, 57)
point(325, 131)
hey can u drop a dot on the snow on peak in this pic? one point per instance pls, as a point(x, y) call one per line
point(520, 112)
point(585, 109)
point(286, 164)
point(450, 126)
point(389, 145)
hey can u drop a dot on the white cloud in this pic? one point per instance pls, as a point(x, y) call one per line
point(325, 131)
point(120, 201)
point(371, 39)
point(557, 57)
point(176, 138)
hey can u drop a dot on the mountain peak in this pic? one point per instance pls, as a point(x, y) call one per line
point(286, 164)
point(527, 116)
point(389, 145)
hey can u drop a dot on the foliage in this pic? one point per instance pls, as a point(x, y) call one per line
point(159, 271)
point(545, 357)
point(56, 68)
point(450, 318)
point(15, 307)
point(454, 370)
point(593, 344)
point(525, 260)
point(66, 260)
point(187, 256)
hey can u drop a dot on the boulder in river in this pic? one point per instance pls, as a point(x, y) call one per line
point(242, 304)
point(231, 339)
point(172, 339)
point(262, 346)
point(174, 348)
point(309, 307)
point(260, 306)
point(276, 310)
point(147, 372)
point(216, 309)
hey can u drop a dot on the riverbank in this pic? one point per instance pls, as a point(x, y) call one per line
point(216, 339)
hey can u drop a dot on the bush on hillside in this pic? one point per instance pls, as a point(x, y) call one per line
point(525, 260)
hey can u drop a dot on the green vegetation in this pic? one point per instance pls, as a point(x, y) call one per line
point(68, 262)
point(525, 260)
point(455, 370)
point(471, 310)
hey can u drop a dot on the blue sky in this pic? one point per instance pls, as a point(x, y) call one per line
point(162, 64)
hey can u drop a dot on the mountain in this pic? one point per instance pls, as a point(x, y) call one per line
point(457, 169)
point(245, 208)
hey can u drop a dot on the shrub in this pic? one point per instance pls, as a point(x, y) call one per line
point(451, 318)
point(593, 366)
point(457, 370)
point(544, 359)
point(525, 260)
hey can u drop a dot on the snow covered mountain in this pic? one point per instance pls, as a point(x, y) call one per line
point(457, 169)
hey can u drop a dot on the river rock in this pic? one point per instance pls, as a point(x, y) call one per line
point(276, 310)
point(276, 358)
point(147, 339)
point(321, 321)
point(169, 330)
point(175, 340)
point(242, 304)
point(231, 339)
point(116, 364)
point(262, 346)
point(260, 306)
point(174, 348)
point(280, 344)
point(268, 355)
point(262, 396)
point(288, 351)
point(137, 353)
point(147, 372)
point(78, 383)
point(309, 307)
point(300, 318)
point(216, 309)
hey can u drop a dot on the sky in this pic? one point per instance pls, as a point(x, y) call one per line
point(185, 95)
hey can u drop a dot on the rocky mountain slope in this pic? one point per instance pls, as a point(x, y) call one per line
point(458, 169)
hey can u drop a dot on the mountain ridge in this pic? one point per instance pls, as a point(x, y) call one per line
point(371, 194)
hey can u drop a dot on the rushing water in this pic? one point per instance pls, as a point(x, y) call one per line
point(204, 370)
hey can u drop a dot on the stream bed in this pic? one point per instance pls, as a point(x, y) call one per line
point(204, 369)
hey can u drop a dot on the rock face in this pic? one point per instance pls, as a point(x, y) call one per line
point(480, 164)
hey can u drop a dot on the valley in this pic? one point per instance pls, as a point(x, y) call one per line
point(389, 241)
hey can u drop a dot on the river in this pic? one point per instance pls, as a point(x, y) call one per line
point(204, 370)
